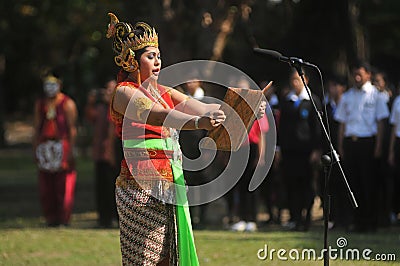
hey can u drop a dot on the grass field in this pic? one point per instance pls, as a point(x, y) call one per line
point(24, 240)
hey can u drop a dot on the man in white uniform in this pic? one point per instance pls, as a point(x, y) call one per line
point(361, 112)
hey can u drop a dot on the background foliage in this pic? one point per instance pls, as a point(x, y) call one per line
point(70, 36)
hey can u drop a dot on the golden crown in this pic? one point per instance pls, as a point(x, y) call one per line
point(125, 42)
point(149, 38)
point(123, 30)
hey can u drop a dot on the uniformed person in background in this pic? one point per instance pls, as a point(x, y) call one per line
point(361, 112)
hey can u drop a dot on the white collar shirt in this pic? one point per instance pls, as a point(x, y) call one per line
point(198, 94)
point(303, 95)
point(360, 110)
point(331, 102)
point(395, 115)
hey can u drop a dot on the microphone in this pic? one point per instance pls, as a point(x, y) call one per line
point(293, 61)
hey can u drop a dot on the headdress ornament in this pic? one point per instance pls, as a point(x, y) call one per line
point(125, 42)
point(51, 79)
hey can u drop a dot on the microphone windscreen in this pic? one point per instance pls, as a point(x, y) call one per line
point(272, 53)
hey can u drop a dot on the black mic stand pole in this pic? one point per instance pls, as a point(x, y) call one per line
point(326, 160)
point(327, 165)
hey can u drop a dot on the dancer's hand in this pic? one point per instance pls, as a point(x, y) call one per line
point(212, 119)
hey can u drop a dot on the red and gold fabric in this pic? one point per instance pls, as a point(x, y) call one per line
point(152, 166)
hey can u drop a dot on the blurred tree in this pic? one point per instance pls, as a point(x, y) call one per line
point(40, 35)
point(381, 18)
point(2, 121)
point(70, 35)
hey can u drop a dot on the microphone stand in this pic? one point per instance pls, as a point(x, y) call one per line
point(327, 164)
point(326, 159)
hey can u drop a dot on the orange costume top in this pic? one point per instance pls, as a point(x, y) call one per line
point(142, 162)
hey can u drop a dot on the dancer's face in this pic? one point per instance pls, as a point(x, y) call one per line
point(150, 63)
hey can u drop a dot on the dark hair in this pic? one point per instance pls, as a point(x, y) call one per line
point(362, 64)
point(382, 73)
point(338, 79)
point(293, 71)
point(55, 72)
point(139, 53)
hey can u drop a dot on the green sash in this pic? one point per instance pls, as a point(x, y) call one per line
point(186, 247)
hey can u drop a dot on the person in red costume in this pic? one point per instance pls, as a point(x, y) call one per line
point(155, 225)
point(54, 137)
